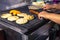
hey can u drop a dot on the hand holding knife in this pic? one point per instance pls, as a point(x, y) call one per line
point(41, 15)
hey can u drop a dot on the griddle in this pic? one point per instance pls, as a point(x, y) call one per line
point(26, 28)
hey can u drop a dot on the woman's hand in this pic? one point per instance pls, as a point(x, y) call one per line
point(47, 6)
point(51, 16)
point(43, 14)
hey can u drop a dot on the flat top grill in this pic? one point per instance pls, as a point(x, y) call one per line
point(33, 24)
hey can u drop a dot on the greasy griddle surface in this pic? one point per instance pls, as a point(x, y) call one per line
point(28, 25)
point(33, 24)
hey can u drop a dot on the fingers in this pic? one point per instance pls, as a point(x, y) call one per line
point(47, 6)
point(39, 16)
point(42, 14)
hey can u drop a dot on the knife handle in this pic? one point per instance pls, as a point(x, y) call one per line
point(34, 12)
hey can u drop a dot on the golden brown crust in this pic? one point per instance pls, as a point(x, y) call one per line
point(12, 18)
point(21, 21)
point(15, 12)
point(5, 15)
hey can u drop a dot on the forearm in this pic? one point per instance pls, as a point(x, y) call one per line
point(54, 17)
point(50, 6)
point(56, 6)
point(51, 16)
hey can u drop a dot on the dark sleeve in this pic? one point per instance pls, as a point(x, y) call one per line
point(56, 1)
